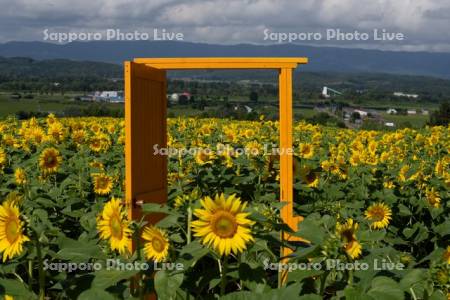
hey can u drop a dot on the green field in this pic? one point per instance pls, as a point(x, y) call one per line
point(43, 104)
point(61, 104)
point(415, 121)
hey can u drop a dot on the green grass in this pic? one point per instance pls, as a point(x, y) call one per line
point(416, 121)
point(41, 103)
point(305, 112)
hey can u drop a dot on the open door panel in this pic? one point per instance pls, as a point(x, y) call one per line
point(146, 126)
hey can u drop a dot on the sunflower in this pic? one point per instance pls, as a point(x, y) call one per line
point(355, 159)
point(20, 177)
point(113, 225)
point(13, 198)
point(306, 151)
point(2, 158)
point(433, 197)
point(204, 157)
point(36, 135)
point(97, 165)
point(223, 224)
point(309, 177)
point(373, 145)
point(100, 142)
point(446, 255)
point(102, 183)
point(50, 160)
point(347, 232)
point(78, 136)
point(379, 214)
point(56, 131)
point(403, 173)
point(51, 118)
point(11, 235)
point(157, 245)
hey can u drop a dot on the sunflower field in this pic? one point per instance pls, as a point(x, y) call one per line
point(375, 206)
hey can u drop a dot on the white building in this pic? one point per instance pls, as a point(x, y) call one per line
point(412, 112)
point(392, 111)
point(109, 94)
point(401, 94)
point(362, 113)
point(174, 98)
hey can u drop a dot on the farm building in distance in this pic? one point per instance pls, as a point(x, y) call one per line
point(105, 96)
point(401, 94)
point(392, 111)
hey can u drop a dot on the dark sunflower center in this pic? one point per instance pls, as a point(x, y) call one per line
point(102, 183)
point(158, 244)
point(377, 214)
point(12, 230)
point(50, 160)
point(116, 227)
point(311, 177)
point(224, 224)
point(347, 235)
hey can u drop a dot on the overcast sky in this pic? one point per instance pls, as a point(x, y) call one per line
point(425, 23)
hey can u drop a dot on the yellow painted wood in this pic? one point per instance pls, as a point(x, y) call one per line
point(223, 62)
point(145, 126)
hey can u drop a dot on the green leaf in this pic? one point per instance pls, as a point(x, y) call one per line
point(311, 230)
point(372, 236)
point(353, 293)
point(16, 289)
point(413, 277)
point(300, 274)
point(95, 294)
point(166, 284)
point(155, 208)
point(385, 288)
point(289, 292)
point(403, 210)
point(191, 253)
point(78, 251)
point(107, 277)
point(438, 295)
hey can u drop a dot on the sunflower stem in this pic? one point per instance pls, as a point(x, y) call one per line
point(41, 269)
point(30, 272)
point(323, 280)
point(223, 283)
point(189, 221)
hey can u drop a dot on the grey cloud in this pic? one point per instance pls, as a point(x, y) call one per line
point(424, 22)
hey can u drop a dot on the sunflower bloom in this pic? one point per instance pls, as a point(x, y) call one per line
point(50, 160)
point(309, 177)
point(306, 151)
point(446, 255)
point(2, 158)
point(56, 131)
point(11, 234)
point(204, 157)
point(433, 197)
point(113, 225)
point(379, 214)
point(20, 177)
point(103, 184)
point(156, 246)
point(347, 232)
point(223, 224)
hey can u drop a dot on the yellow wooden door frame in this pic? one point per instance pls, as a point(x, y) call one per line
point(285, 67)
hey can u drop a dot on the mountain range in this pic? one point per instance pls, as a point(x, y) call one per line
point(330, 59)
